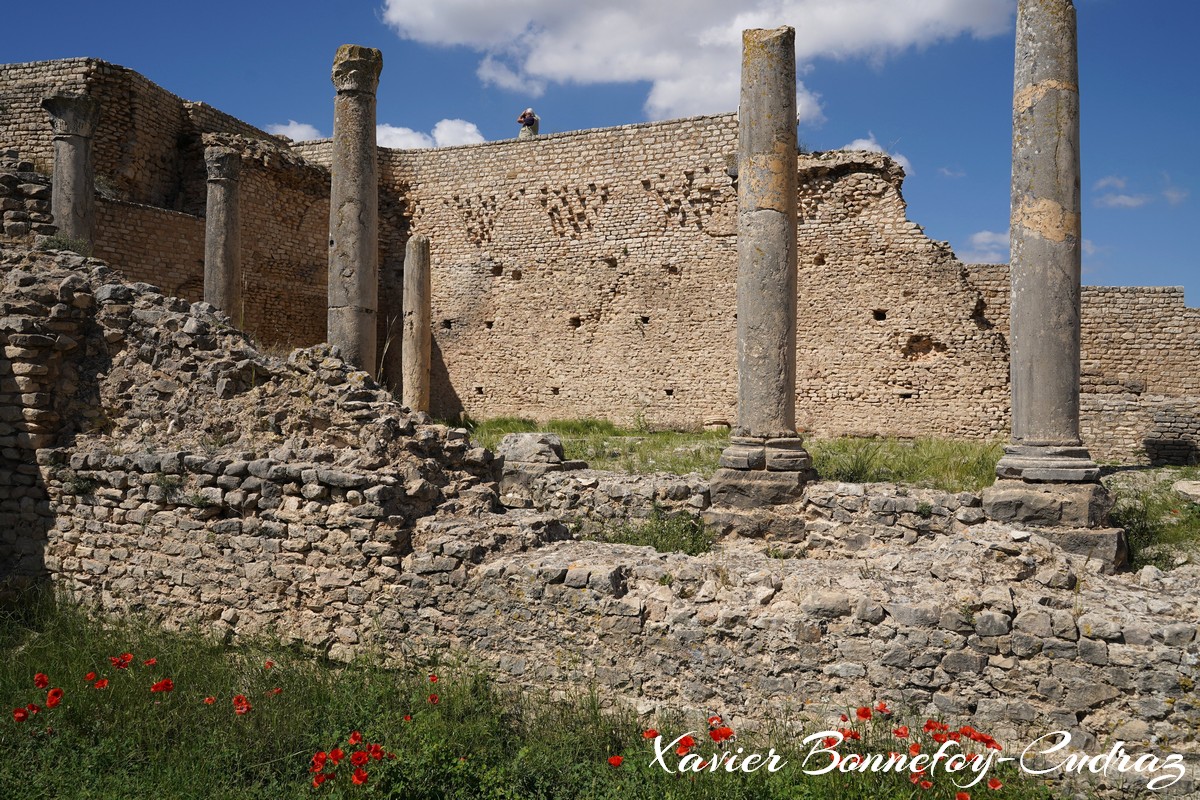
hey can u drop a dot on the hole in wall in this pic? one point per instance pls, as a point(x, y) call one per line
point(478, 390)
point(553, 390)
point(906, 395)
point(487, 323)
point(819, 259)
point(645, 320)
point(497, 269)
point(576, 322)
point(880, 314)
point(448, 324)
point(671, 269)
point(516, 274)
point(979, 316)
point(669, 392)
point(920, 346)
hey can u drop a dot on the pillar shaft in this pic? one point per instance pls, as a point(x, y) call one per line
point(73, 198)
point(766, 283)
point(417, 335)
point(222, 233)
point(1045, 258)
point(354, 208)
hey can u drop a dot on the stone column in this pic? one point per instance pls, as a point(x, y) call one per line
point(354, 208)
point(73, 199)
point(766, 462)
point(1046, 475)
point(417, 334)
point(222, 232)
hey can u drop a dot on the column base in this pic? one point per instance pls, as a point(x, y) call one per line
point(1047, 463)
point(758, 471)
point(1046, 505)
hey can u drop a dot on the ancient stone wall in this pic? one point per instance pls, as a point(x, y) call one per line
point(153, 245)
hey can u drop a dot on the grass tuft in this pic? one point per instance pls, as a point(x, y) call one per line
point(666, 533)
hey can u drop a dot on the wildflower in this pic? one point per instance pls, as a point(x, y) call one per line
point(687, 741)
point(122, 661)
point(101, 684)
point(268, 664)
point(914, 748)
point(336, 755)
point(843, 718)
point(376, 751)
point(994, 783)
point(165, 685)
point(863, 713)
point(615, 761)
point(274, 691)
point(901, 732)
point(20, 714)
point(962, 796)
point(91, 676)
point(408, 717)
point(41, 680)
point(714, 721)
point(241, 705)
point(721, 734)
point(882, 708)
point(208, 701)
point(149, 662)
point(830, 741)
point(318, 761)
point(650, 734)
point(54, 697)
point(926, 784)
point(355, 738)
point(359, 777)
point(319, 779)
point(33, 708)
point(433, 698)
point(359, 757)
point(433, 678)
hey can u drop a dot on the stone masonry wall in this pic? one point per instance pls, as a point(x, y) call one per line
point(164, 248)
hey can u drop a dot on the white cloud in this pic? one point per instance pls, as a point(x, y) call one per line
point(875, 147)
point(986, 247)
point(1109, 182)
point(946, 172)
point(689, 53)
point(1089, 247)
point(1174, 195)
point(1113, 200)
point(296, 131)
point(445, 133)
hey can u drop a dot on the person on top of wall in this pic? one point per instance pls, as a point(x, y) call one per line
point(529, 123)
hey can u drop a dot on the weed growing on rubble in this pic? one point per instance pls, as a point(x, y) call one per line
point(1161, 527)
point(666, 533)
point(61, 242)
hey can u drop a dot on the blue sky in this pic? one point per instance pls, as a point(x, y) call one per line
point(928, 80)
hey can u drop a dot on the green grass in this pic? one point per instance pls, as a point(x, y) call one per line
point(934, 463)
point(666, 533)
point(477, 741)
point(62, 242)
point(1159, 524)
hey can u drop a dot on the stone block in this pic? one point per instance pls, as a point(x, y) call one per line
point(756, 488)
point(1071, 505)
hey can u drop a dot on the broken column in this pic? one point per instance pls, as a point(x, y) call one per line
point(766, 462)
point(354, 208)
point(222, 232)
point(417, 333)
point(1046, 476)
point(73, 198)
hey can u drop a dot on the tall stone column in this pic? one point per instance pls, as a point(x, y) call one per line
point(222, 232)
point(1046, 475)
point(354, 208)
point(417, 334)
point(766, 462)
point(73, 199)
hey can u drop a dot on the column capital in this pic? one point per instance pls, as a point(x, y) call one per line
point(222, 163)
point(356, 68)
point(72, 114)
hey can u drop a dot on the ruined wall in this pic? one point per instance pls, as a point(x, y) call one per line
point(153, 245)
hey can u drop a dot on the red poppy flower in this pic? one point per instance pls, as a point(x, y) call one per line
point(901, 732)
point(355, 738)
point(241, 705)
point(276, 690)
point(101, 684)
point(122, 661)
point(687, 741)
point(914, 748)
point(208, 701)
point(41, 680)
point(650, 734)
point(940, 738)
point(433, 698)
point(721, 734)
point(54, 697)
point(336, 755)
point(926, 784)
point(376, 751)
point(149, 662)
point(408, 717)
point(33, 708)
point(843, 718)
point(882, 708)
point(615, 761)
point(165, 685)
point(359, 777)
point(359, 757)
point(682, 751)
point(433, 678)
point(915, 778)
point(994, 783)
point(268, 664)
point(20, 714)
point(714, 721)
point(830, 741)
point(318, 761)
point(319, 779)
point(863, 713)
point(962, 796)
point(91, 676)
